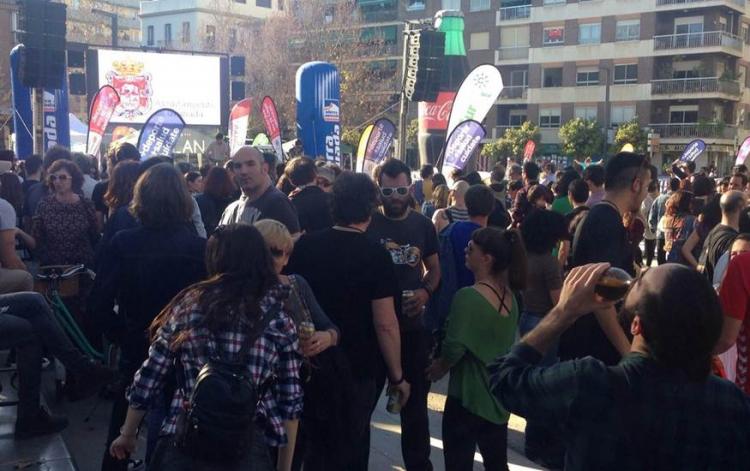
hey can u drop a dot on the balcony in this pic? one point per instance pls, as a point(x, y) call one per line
point(519, 12)
point(514, 92)
point(738, 5)
point(511, 54)
point(689, 131)
point(695, 87)
point(706, 40)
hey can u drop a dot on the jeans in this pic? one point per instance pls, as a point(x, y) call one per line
point(415, 425)
point(28, 324)
point(464, 431)
point(542, 440)
point(168, 457)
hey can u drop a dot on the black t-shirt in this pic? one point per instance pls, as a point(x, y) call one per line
point(499, 217)
point(313, 208)
point(347, 271)
point(600, 237)
point(718, 241)
point(408, 241)
point(272, 204)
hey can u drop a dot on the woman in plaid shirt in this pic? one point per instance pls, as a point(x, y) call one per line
point(217, 315)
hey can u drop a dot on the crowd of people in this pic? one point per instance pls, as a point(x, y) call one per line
point(261, 309)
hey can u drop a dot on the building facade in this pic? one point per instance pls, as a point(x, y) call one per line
point(680, 67)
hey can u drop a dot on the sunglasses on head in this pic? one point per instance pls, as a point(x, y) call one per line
point(62, 178)
point(388, 191)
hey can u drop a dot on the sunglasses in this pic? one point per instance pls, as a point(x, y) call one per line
point(389, 191)
point(62, 178)
point(276, 252)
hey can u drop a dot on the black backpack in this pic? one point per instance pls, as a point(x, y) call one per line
point(216, 425)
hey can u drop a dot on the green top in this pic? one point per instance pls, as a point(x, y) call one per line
point(476, 335)
point(453, 27)
point(562, 205)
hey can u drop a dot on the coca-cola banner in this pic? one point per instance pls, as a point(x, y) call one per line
point(362, 147)
point(462, 143)
point(104, 104)
point(239, 120)
point(528, 150)
point(434, 115)
point(378, 143)
point(476, 95)
point(160, 133)
point(743, 152)
point(273, 129)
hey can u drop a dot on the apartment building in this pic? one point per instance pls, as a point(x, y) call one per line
point(679, 66)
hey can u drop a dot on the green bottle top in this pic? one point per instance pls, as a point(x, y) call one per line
point(451, 22)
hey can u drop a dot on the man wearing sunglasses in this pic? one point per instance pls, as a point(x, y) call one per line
point(410, 239)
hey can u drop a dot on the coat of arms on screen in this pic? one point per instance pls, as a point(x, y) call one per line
point(133, 86)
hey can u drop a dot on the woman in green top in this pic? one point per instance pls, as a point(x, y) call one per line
point(481, 326)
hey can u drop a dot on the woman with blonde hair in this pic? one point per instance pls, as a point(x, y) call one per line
point(440, 197)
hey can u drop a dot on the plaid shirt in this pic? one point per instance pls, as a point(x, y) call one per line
point(656, 419)
point(275, 352)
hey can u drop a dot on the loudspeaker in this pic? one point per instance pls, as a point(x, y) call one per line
point(41, 27)
point(76, 59)
point(424, 63)
point(238, 90)
point(237, 66)
point(77, 83)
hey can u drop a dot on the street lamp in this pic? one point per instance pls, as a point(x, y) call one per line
point(113, 22)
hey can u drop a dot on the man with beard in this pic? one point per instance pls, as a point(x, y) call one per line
point(411, 240)
point(260, 199)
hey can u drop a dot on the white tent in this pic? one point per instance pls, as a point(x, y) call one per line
point(78, 133)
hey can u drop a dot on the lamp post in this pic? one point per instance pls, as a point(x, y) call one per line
point(113, 22)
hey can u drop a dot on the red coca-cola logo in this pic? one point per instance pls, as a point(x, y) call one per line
point(434, 115)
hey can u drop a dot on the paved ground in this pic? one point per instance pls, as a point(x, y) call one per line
point(89, 419)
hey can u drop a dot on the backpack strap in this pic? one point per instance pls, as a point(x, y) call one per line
point(449, 215)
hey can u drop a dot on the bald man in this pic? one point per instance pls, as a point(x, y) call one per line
point(259, 199)
point(721, 236)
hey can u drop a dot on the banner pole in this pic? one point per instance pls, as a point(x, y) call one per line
point(38, 114)
point(404, 108)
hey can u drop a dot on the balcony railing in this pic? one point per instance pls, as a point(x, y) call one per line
point(514, 91)
point(512, 52)
point(694, 130)
point(694, 85)
point(518, 12)
point(740, 3)
point(697, 40)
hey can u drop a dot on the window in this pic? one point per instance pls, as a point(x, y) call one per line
point(479, 41)
point(167, 33)
point(586, 112)
point(626, 73)
point(210, 34)
point(683, 114)
point(685, 69)
point(554, 36)
point(150, 36)
point(232, 39)
point(518, 78)
point(479, 5)
point(186, 31)
point(590, 33)
point(263, 3)
point(549, 118)
point(552, 2)
point(628, 30)
point(622, 114)
point(451, 4)
point(552, 77)
point(586, 76)
point(514, 37)
point(415, 5)
point(688, 25)
point(517, 118)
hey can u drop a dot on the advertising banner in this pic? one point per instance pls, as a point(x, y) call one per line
point(528, 150)
point(273, 128)
point(261, 140)
point(318, 112)
point(378, 143)
point(239, 120)
point(693, 150)
point(743, 152)
point(146, 81)
point(160, 133)
point(23, 121)
point(104, 104)
point(362, 147)
point(476, 96)
point(462, 142)
point(56, 120)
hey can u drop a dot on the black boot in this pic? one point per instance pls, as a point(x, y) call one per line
point(42, 423)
